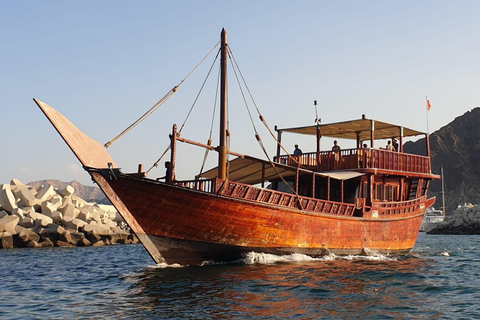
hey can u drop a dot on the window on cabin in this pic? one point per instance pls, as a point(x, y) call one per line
point(377, 191)
point(366, 193)
point(335, 190)
point(351, 190)
point(391, 192)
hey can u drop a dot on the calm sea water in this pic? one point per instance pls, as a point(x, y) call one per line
point(440, 279)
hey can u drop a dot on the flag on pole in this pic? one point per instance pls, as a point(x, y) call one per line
point(429, 106)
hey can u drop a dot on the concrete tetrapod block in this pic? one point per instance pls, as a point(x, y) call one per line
point(71, 237)
point(84, 243)
point(52, 232)
point(101, 230)
point(9, 223)
point(26, 234)
point(67, 192)
point(3, 213)
point(27, 211)
point(26, 222)
point(33, 244)
point(78, 202)
point(111, 224)
point(46, 243)
point(69, 211)
point(101, 212)
point(16, 182)
point(7, 199)
point(7, 240)
point(56, 201)
point(41, 219)
point(77, 236)
point(48, 208)
point(85, 214)
point(73, 224)
point(98, 244)
point(25, 194)
point(115, 216)
point(45, 193)
point(18, 212)
point(57, 217)
point(93, 237)
point(61, 243)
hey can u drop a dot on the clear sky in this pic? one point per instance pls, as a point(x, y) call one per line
point(104, 63)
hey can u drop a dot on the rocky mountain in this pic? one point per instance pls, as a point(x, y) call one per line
point(456, 148)
point(91, 194)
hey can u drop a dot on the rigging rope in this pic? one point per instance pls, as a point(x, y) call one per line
point(293, 159)
point(257, 135)
point(207, 151)
point(159, 103)
point(190, 111)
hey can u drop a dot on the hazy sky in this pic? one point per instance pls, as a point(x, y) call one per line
point(104, 63)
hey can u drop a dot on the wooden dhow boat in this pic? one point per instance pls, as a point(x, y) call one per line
point(344, 202)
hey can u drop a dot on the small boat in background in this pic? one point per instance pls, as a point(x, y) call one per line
point(434, 217)
point(346, 201)
point(431, 219)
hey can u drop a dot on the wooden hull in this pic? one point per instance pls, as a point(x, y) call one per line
point(189, 227)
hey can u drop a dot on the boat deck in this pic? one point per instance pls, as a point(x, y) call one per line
point(359, 159)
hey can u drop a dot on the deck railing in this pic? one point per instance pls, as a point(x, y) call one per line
point(359, 159)
point(248, 192)
point(207, 185)
point(401, 207)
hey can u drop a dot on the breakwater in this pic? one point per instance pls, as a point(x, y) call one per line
point(464, 220)
point(49, 216)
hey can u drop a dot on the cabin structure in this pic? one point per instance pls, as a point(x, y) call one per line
point(348, 180)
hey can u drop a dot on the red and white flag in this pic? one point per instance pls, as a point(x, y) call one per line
point(429, 106)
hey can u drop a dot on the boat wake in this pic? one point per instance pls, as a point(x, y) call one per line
point(252, 258)
point(266, 258)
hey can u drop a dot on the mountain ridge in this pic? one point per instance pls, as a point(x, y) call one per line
point(88, 193)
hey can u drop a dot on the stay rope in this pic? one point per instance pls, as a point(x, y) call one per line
point(257, 135)
point(293, 159)
point(160, 102)
point(207, 151)
point(191, 108)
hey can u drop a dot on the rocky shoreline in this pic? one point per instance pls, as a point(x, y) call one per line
point(53, 217)
point(463, 221)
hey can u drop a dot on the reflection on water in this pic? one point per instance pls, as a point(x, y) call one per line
point(308, 289)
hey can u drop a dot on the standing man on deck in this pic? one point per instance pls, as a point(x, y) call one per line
point(297, 151)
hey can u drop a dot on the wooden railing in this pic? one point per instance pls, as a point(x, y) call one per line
point(359, 158)
point(247, 192)
point(207, 185)
point(400, 207)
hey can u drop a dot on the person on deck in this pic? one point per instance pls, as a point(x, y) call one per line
point(336, 152)
point(389, 146)
point(365, 156)
point(168, 171)
point(297, 151)
point(336, 147)
point(395, 144)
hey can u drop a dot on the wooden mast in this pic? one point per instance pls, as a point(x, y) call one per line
point(222, 148)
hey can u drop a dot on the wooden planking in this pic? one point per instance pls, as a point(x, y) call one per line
point(169, 211)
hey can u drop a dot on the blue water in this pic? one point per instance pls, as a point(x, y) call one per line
point(440, 279)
